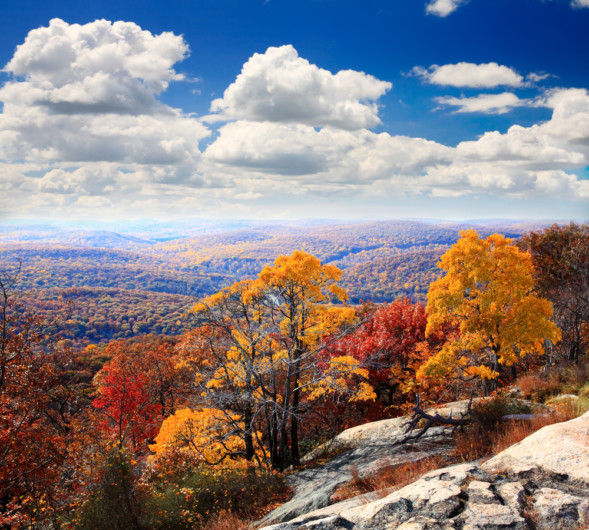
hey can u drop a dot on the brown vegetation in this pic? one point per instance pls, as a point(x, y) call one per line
point(389, 477)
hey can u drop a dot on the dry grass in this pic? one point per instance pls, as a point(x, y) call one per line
point(516, 431)
point(388, 478)
point(538, 388)
point(487, 436)
point(227, 521)
point(475, 443)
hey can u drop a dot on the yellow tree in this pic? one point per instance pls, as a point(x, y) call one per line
point(203, 434)
point(261, 348)
point(487, 296)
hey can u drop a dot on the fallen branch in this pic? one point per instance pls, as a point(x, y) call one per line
point(432, 420)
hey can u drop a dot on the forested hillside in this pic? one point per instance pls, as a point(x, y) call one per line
point(152, 272)
point(139, 409)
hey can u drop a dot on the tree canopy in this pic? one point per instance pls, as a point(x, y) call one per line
point(487, 296)
point(260, 351)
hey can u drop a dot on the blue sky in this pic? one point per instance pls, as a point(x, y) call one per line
point(283, 109)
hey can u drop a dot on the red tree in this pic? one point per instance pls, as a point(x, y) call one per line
point(127, 407)
point(391, 343)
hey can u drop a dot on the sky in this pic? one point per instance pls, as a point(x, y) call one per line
point(290, 109)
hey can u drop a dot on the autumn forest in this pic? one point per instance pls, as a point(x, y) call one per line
point(168, 375)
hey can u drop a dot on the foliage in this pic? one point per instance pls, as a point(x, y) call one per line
point(35, 410)
point(486, 295)
point(272, 365)
point(391, 344)
point(566, 378)
point(407, 274)
point(137, 388)
point(490, 433)
point(122, 286)
point(113, 504)
point(260, 352)
point(203, 433)
point(126, 406)
point(99, 314)
point(195, 500)
point(561, 261)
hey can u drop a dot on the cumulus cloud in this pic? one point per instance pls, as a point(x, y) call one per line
point(443, 8)
point(539, 159)
point(485, 103)
point(83, 103)
point(328, 155)
point(580, 3)
point(524, 161)
point(280, 86)
point(82, 134)
point(486, 75)
point(97, 67)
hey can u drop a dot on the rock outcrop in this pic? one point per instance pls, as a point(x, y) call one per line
point(366, 448)
point(540, 483)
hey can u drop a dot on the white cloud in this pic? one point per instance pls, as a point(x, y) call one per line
point(486, 75)
point(79, 134)
point(443, 8)
point(298, 160)
point(580, 3)
point(280, 86)
point(318, 157)
point(536, 77)
point(83, 103)
point(485, 103)
point(96, 67)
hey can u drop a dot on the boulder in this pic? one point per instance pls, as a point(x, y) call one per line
point(561, 448)
point(366, 448)
point(557, 510)
point(541, 482)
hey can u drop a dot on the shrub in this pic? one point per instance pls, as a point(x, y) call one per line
point(206, 494)
point(113, 505)
point(537, 388)
point(490, 434)
point(487, 414)
point(569, 378)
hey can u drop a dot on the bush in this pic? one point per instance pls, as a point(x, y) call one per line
point(113, 505)
point(490, 434)
point(477, 439)
point(208, 493)
point(487, 414)
point(569, 378)
point(537, 388)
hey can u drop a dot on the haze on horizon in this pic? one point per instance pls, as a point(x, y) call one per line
point(437, 109)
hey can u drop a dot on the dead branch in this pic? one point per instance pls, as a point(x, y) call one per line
point(432, 420)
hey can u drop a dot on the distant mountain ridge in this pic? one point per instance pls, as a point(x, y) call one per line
point(380, 260)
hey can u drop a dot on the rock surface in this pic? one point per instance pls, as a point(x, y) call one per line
point(540, 483)
point(366, 448)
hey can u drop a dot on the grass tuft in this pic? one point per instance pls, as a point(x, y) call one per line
point(388, 478)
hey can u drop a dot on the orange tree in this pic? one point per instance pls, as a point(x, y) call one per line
point(487, 296)
point(258, 353)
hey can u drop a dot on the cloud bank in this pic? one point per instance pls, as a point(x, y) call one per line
point(84, 133)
